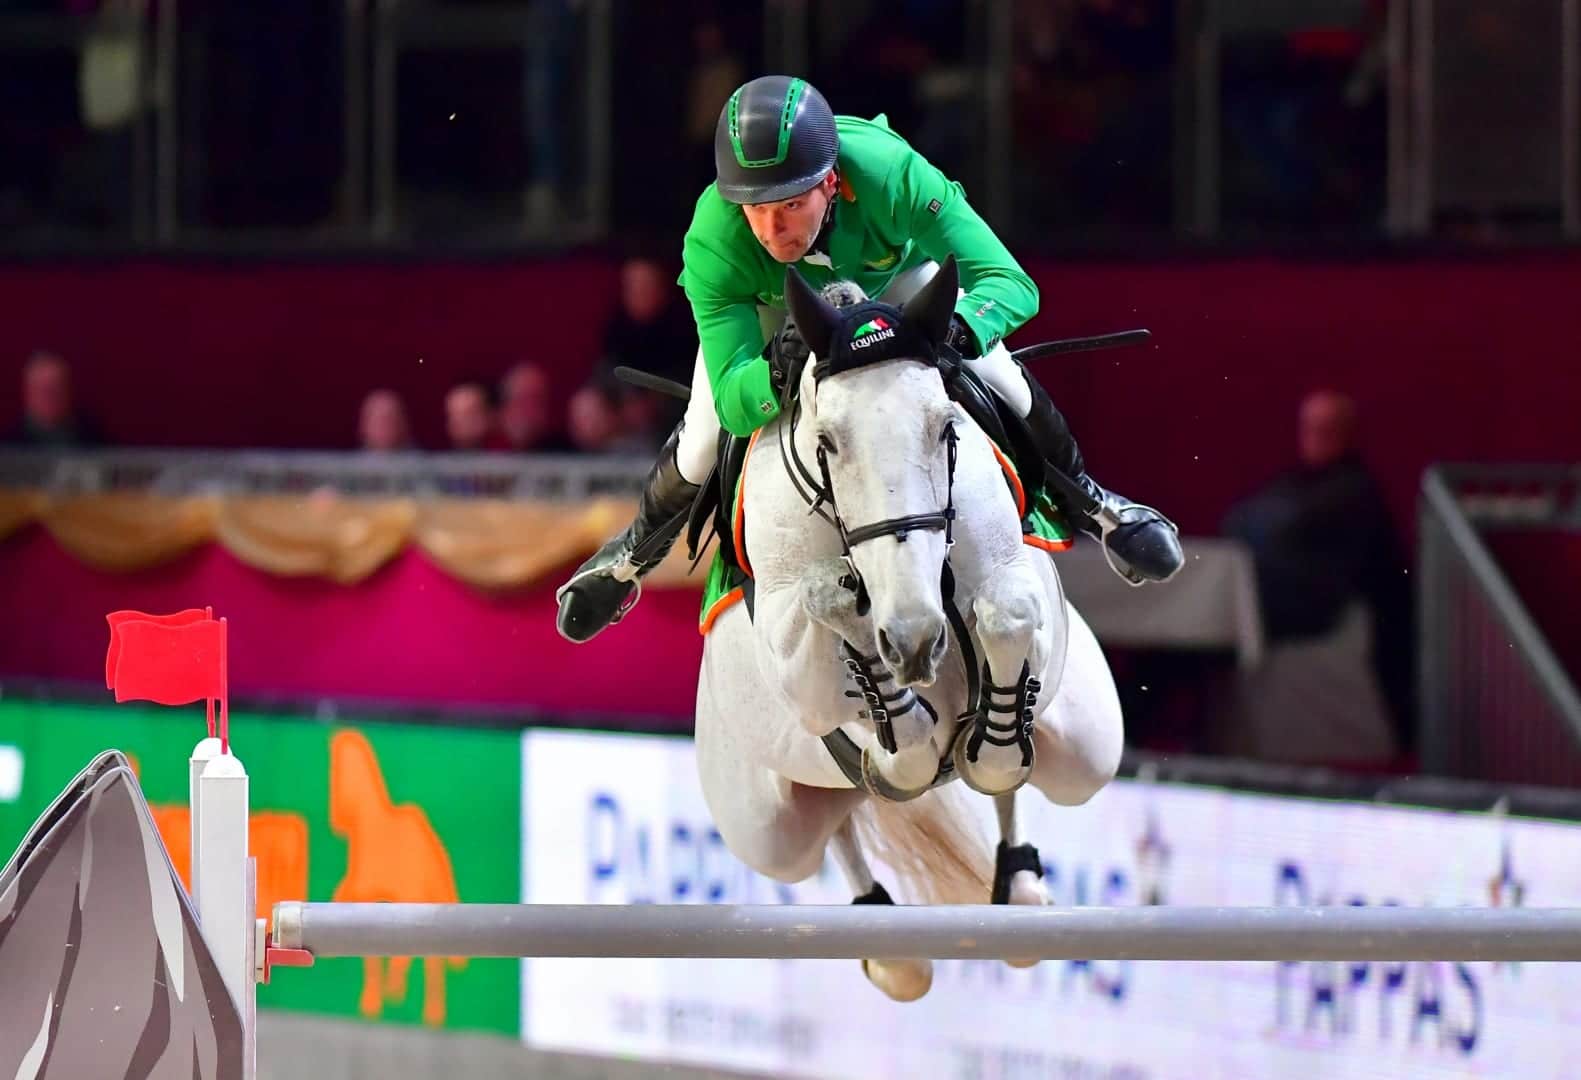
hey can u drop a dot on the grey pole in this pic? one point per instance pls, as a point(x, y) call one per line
point(968, 931)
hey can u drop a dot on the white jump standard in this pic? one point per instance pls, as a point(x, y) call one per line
point(807, 932)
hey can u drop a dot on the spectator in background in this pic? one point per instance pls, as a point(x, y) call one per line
point(383, 424)
point(547, 63)
point(651, 330)
point(525, 412)
point(1322, 539)
point(599, 424)
point(471, 417)
point(49, 416)
point(716, 71)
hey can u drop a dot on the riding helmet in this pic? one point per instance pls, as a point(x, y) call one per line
point(775, 139)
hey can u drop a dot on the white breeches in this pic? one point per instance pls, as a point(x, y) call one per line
point(698, 446)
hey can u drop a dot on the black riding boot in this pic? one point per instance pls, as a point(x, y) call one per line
point(605, 587)
point(1143, 544)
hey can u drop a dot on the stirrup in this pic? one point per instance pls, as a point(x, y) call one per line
point(623, 564)
point(1108, 520)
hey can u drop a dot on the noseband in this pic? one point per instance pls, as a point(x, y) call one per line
point(818, 493)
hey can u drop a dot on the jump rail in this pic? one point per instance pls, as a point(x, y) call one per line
point(967, 931)
point(182, 657)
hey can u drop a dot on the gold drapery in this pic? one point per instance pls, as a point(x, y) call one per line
point(490, 544)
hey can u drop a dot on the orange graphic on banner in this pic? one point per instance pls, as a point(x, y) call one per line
point(393, 855)
point(277, 839)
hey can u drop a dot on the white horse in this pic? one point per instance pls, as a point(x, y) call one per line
point(809, 717)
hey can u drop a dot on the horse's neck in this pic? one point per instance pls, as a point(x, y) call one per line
point(987, 528)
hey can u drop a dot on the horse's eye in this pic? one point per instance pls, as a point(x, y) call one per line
point(826, 443)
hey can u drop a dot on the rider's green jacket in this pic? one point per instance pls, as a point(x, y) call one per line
point(894, 211)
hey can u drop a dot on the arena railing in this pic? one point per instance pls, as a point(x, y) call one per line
point(1496, 702)
point(555, 477)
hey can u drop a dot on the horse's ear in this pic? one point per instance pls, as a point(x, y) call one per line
point(930, 310)
point(814, 316)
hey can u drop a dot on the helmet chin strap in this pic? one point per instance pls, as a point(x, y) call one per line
point(820, 242)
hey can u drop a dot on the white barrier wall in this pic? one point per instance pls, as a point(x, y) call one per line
point(621, 819)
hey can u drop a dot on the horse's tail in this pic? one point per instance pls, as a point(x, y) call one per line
point(932, 845)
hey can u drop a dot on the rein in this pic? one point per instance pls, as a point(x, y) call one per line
point(858, 336)
point(818, 493)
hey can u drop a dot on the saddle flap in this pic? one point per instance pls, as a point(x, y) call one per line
point(704, 509)
point(1002, 426)
point(732, 461)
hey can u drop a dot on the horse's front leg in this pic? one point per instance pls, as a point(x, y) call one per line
point(830, 602)
point(800, 623)
point(1021, 642)
point(903, 722)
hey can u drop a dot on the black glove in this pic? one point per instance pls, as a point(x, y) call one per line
point(787, 354)
point(960, 338)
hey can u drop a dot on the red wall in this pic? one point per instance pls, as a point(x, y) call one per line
point(1545, 569)
point(1467, 358)
point(411, 633)
point(211, 354)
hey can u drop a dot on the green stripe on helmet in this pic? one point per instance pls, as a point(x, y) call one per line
point(793, 94)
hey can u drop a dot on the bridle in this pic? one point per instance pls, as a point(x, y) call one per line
point(818, 492)
point(864, 334)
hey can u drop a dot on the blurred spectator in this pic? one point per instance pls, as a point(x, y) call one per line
point(1305, 117)
point(599, 425)
point(525, 412)
point(652, 330)
point(1092, 90)
point(383, 424)
point(1322, 539)
point(471, 418)
point(715, 73)
point(49, 417)
point(905, 59)
point(546, 65)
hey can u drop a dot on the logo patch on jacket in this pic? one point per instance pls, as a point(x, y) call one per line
point(883, 262)
point(934, 206)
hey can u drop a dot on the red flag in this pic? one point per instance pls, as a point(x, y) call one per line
point(172, 665)
point(117, 618)
point(170, 659)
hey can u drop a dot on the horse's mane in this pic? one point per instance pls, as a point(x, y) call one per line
point(843, 293)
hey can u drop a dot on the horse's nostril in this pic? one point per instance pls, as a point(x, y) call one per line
point(885, 646)
point(942, 642)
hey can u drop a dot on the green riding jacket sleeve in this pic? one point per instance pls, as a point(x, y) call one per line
point(721, 290)
point(933, 213)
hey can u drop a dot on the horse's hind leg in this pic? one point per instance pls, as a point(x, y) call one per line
point(776, 826)
point(902, 980)
point(1080, 734)
point(1018, 869)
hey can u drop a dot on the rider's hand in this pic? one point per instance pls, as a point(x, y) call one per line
point(960, 338)
point(786, 353)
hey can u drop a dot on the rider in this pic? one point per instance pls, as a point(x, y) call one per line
point(840, 198)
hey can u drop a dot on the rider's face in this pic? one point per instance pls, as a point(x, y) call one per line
point(786, 229)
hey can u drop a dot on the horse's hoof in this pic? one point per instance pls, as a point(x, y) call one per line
point(875, 783)
point(900, 980)
point(976, 776)
point(1027, 888)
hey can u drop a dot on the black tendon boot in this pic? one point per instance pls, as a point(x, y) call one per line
point(1140, 543)
point(605, 587)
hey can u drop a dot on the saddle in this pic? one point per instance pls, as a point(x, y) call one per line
point(718, 501)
